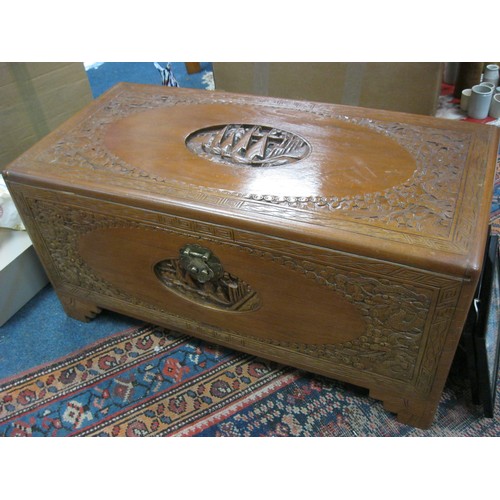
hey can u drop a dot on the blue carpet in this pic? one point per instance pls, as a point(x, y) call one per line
point(41, 332)
point(104, 76)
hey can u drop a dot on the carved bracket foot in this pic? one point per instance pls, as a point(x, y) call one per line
point(79, 309)
point(413, 412)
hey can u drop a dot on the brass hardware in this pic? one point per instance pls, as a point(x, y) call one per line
point(201, 264)
point(198, 275)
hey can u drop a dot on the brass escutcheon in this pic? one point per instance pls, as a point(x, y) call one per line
point(201, 264)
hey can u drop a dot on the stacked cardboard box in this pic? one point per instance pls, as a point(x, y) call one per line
point(406, 87)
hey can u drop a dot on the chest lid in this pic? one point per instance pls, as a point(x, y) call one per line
point(411, 189)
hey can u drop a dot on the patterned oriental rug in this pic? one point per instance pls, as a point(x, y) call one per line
point(148, 381)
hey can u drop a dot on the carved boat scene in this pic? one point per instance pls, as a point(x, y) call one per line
point(227, 293)
point(252, 145)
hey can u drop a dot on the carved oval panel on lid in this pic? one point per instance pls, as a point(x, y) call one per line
point(250, 145)
point(333, 158)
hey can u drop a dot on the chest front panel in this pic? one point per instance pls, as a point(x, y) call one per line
point(347, 314)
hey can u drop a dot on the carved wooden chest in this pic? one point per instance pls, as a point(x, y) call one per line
point(343, 241)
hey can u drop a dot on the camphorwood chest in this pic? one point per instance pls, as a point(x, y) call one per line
point(344, 241)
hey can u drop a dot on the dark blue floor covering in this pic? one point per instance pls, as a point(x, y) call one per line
point(41, 332)
point(108, 74)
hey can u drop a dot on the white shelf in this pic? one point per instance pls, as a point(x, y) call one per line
point(21, 273)
point(12, 244)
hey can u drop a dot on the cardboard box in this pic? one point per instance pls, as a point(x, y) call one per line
point(34, 99)
point(406, 87)
point(21, 273)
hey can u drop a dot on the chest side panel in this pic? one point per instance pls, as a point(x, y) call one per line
point(350, 317)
